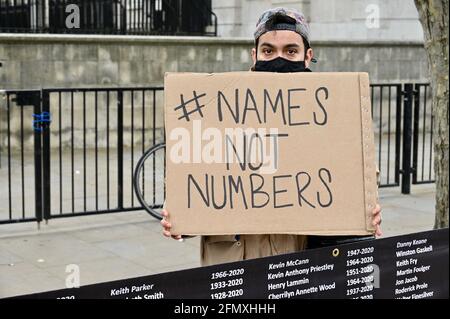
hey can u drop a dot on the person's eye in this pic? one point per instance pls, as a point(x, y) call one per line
point(292, 51)
point(267, 51)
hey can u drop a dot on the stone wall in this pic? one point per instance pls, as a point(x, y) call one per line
point(49, 61)
point(349, 20)
point(36, 61)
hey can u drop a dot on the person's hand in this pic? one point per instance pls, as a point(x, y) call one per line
point(376, 220)
point(167, 226)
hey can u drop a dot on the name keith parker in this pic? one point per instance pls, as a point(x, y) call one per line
point(140, 288)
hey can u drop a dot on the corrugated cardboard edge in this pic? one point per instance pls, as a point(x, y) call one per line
point(167, 74)
point(368, 147)
point(349, 232)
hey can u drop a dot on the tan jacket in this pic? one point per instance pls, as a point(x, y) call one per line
point(230, 248)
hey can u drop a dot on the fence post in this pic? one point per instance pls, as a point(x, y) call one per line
point(38, 166)
point(120, 149)
point(398, 125)
point(407, 138)
point(46, 158)
point(415, 132)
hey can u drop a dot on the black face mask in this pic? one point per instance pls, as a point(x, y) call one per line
point(281, 65)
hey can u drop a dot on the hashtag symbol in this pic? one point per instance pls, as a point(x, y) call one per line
point(183, 106)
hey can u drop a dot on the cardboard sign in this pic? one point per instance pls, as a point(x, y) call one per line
point(267, 153)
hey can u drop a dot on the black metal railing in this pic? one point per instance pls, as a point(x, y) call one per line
point(386, 101)
point(123, 127)
point(20, 166)
point(85, 144)
point(423, 155)
point(70, 152)
point(143, 17)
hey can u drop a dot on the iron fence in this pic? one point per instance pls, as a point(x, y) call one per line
point(71, 152)
point(143, 17)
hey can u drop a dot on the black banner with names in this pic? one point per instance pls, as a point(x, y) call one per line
point(412, 266)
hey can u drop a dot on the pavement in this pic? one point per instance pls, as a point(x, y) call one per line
point(130, 244)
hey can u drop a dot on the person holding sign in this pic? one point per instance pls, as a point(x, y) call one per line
point(282, 44)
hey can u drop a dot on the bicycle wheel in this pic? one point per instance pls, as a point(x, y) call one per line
point(139, 181)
